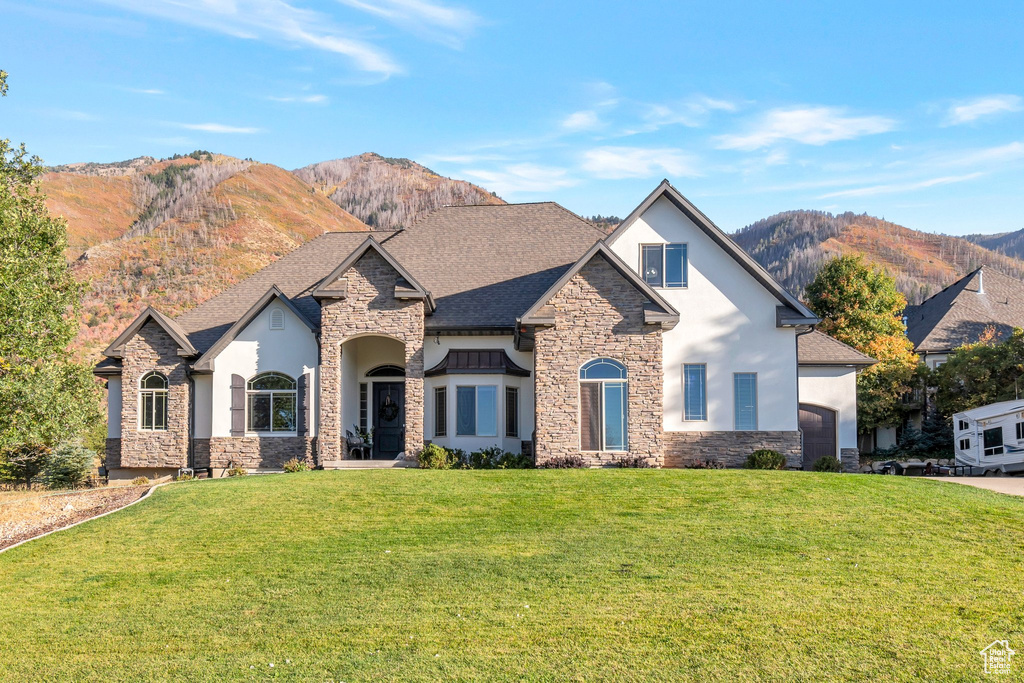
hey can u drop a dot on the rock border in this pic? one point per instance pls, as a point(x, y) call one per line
point(141, 498)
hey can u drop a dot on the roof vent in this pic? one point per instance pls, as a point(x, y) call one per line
point(981, 280)
point(276, 319)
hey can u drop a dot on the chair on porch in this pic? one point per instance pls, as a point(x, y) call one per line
point(357, 446)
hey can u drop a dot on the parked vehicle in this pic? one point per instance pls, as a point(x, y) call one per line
point(990, 439)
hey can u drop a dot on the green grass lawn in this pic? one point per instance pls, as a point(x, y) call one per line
point(605, 574)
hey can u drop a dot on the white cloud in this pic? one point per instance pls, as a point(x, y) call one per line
point(901, 187)
point(972, 110)
point(218, 128)
point(522, 178)
point(581, 120)
point(638, 162)
point(72, 115)
point(809, 126)
point(445, 24)
point(269, 20)
point(146, 91)
point(302, 99)
point(1013, 151)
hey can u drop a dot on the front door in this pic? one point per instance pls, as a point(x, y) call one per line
point(388, 419)
point(819, 428)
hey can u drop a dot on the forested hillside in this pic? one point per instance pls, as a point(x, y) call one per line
point(388, 193)
point(792, 245)
point(1009, 243)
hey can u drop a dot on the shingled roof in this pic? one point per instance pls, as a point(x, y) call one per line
point(817, 348)
point(962, 312)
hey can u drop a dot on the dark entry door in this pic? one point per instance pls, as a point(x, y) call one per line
point(388, 419)
point(819, 427)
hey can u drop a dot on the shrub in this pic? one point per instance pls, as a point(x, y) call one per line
point(516, 461)
point(564, 462)
point(69, 466)
point(140, 481)
point(704, 465)
point(497, 458)
point(296, 465)
point(237, 471)
point(633, 461)
point(766, 459)
point(185, 476)
point(23, 462)
point(434, 457)
point(829, 463)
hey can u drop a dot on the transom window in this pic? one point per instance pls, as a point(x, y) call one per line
point(153, 402)
point(664, 265)
point(603, 395)
point(386, 371)
point(992, 441)
point(270, 403)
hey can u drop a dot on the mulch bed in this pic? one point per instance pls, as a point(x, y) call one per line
point(28, 517)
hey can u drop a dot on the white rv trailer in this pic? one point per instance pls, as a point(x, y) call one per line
point(990, 439)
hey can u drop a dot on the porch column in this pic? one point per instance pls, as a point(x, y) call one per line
point(328, 441)
point(413, 395)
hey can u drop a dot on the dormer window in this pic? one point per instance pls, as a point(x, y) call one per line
point(276, 319)
point(664, 265)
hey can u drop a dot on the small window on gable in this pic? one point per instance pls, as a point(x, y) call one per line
point(276, 319)
point(664, 265)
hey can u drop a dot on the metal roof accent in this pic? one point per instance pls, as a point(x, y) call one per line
point(477, 362)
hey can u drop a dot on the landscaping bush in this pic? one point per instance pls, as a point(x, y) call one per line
point(633, 461)
point(829, 463)
point(296, 465)
point(766, 459)
point(434, 457)
point(185, 476)
point(140, 481)
point(703, 465)
point(237, 471)
point(497, 458)
point(69, 466)
point(565, 462)
point(23, 462)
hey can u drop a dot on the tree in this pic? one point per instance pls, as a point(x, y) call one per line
point(981, 373)
point(44, 396)
point(860, 305)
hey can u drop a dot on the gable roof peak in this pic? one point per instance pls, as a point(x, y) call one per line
point(413, 290)
point(172, 328)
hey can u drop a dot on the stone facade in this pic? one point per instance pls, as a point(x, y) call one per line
point(730, 448)
point(153, 349)
point(598, 314)
point(253, 452)
point(370, 308)
point(850, 458)
point(112, 454)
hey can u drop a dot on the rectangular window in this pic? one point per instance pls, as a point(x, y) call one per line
point(664, 265)
point(440, 411)
point(993, 441)
point(590, 416)
point(1020, 431)
point(745, 397)
point(512, 412)
point(603, 416)
point(363, 407)
point(259, 412)
point(695, 402)
point(148, 399)
point(476, 411)
point(963, 425)
point(965, 444)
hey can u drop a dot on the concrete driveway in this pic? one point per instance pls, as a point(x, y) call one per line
point(1013, 486)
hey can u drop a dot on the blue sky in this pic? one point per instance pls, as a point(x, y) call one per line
point(913, 111)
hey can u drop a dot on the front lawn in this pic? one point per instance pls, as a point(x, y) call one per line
point(606, 574)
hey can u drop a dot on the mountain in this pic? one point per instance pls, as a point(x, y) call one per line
point(388, 193)
point(1009, 243)
point(794, 244)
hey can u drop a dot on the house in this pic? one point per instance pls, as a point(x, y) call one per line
point(522, 326)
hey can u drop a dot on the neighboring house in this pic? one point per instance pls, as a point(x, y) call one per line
point(521, 326)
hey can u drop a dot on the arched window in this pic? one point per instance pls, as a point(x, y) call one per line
point(153, 402)
point(386, 371)
point(603, 394)
point(270, 403)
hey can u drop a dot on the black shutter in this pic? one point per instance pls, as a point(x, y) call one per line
point(237, 405)
point(302, 410)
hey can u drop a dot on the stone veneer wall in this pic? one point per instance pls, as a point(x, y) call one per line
point(598, 314)
point(730, 448)
point(369, 308)
point(253, 452)
point(153, 349)
point(850, 458)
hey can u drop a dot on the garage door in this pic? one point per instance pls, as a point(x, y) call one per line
point(819, 427)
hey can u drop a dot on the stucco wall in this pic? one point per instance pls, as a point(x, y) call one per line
point(727, 321)
point(834, 388)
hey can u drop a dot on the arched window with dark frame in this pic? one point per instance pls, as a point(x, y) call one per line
point(386, 371)
point(153, 402)
point(603, 396)
point(271, 403)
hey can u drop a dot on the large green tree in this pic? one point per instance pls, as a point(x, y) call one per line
point(981, 373)
point(860, 305)
point(45, 397)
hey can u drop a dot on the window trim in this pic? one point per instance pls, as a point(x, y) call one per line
point(476, 409)
point(441, 401)
point(704, 394)
point(604, 382)
point(735, 417)
point(153, 393)
point(250, 392)
point(664, 263)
